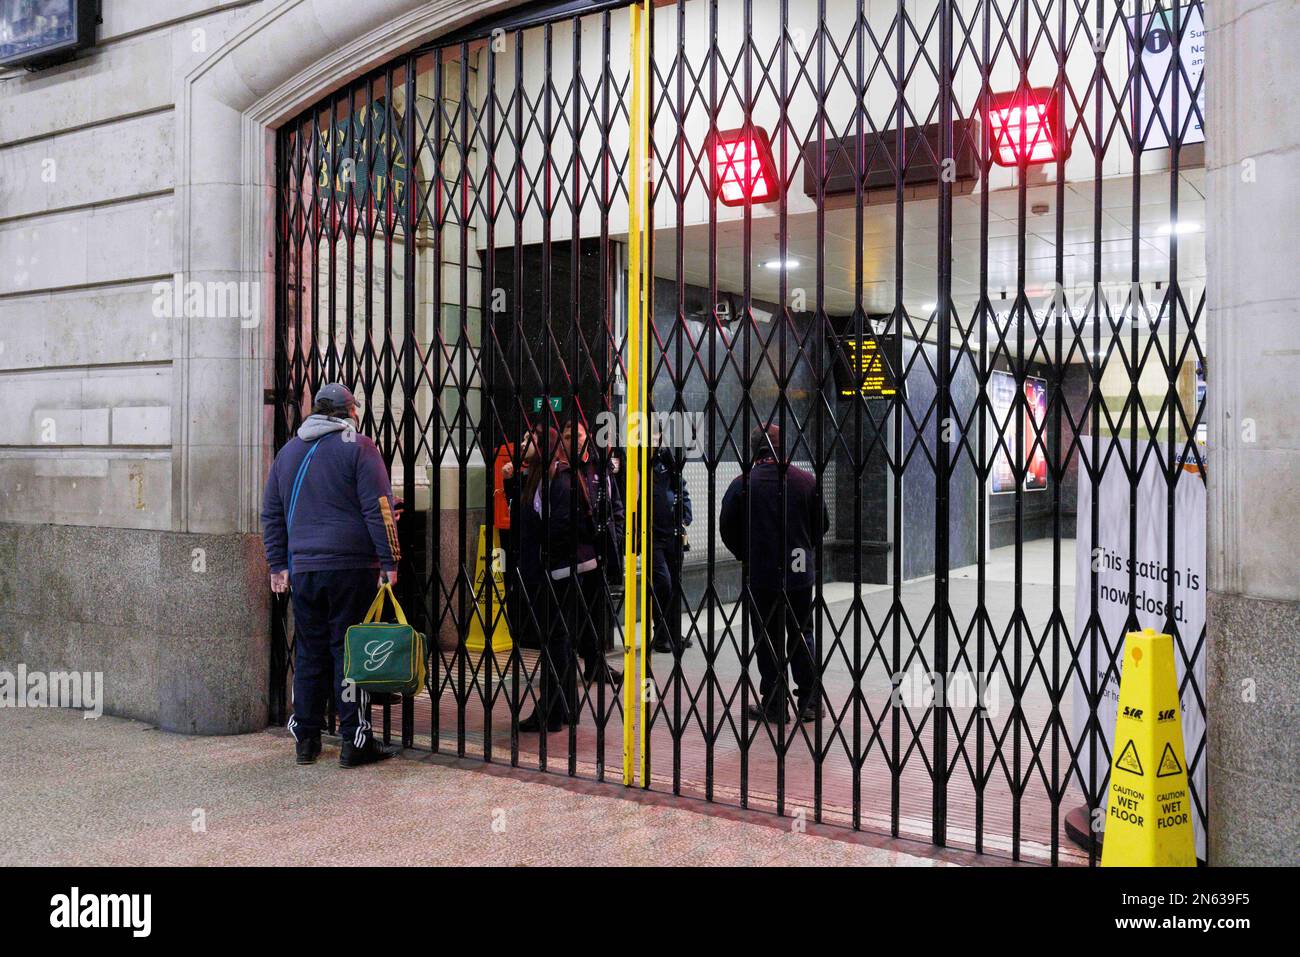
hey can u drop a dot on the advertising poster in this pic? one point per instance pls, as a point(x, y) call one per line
point(1002, 396)
point(1111, 556)
point(1035, 436)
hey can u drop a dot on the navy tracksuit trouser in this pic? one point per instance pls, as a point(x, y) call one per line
point(325, 605)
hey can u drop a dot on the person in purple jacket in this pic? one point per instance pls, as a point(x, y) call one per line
point(330, 535)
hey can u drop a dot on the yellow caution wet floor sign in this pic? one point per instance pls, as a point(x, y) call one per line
point(1148, 805)
point(476, 642)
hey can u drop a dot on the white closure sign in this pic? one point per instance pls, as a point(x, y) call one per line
point(1153, 96)
point(1150, 561)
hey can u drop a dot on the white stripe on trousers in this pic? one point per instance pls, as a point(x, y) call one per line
point(363, 723)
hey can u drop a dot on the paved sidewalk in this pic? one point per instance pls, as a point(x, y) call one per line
point(111, 791)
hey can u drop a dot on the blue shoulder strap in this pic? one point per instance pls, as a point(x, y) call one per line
point(293, 495)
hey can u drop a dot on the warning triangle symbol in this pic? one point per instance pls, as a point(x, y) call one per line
point(1128, 759)
point(1168, 763)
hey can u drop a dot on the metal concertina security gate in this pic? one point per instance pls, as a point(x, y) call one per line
point(950, 247)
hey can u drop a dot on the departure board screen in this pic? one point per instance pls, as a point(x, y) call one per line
point(863, 369)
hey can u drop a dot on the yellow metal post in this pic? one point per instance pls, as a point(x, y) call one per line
point(634, 527)
point(643, 433)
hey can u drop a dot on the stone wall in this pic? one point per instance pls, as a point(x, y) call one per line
point(1253, 481)
point(96, 570)
point(135, 432)
point(175, 623)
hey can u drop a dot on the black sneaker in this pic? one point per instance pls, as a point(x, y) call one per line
point(308, 750)
point(353, 757)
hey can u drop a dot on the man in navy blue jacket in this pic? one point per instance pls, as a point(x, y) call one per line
point(328, 528)
point(780, 581)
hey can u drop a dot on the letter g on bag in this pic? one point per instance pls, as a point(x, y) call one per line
point(377, 654)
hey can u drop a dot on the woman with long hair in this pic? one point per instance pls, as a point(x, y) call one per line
point(586, 495)
point(538, 608)
point(566, 505)
point(525, 575)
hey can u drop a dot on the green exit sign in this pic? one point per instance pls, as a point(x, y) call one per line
point(556, 402)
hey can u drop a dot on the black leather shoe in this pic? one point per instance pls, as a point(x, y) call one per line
point(533, 723)
point(770, 715)
point(308, 750)
point(603, 674)
point(372, 752)
point(808, 713)
point(661, 646)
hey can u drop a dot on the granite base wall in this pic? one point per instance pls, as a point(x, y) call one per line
point(178, 624)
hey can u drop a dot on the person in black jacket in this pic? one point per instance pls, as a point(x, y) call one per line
point(669, 490)
point(780, 581)
point(569, 507)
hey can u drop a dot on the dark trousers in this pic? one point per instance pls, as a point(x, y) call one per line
point(583, 613)
point(575, 609)
point(555, 680)
point(325, 605)
point(525, 609)
point(667, 593)
point(782, 621)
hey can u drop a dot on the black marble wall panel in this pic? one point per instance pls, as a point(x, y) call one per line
point(552, 345)
point(686, 352)
point(919, 486)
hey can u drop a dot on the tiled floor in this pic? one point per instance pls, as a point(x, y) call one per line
point(716, 753)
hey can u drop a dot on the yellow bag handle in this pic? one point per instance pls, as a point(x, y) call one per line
point(376, 612)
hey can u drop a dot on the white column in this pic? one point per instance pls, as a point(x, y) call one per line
point(1253, 333)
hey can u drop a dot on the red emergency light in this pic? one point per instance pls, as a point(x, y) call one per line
point(1025, 127)
point(742, 167)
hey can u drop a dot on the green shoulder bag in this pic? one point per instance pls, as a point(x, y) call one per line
point(383, 657)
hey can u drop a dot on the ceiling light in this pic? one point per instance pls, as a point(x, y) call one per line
point(777, 263)
point(1181, 229)
point(743, 171)
point(1025, 126)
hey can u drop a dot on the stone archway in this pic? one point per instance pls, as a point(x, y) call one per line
point(226, 113)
